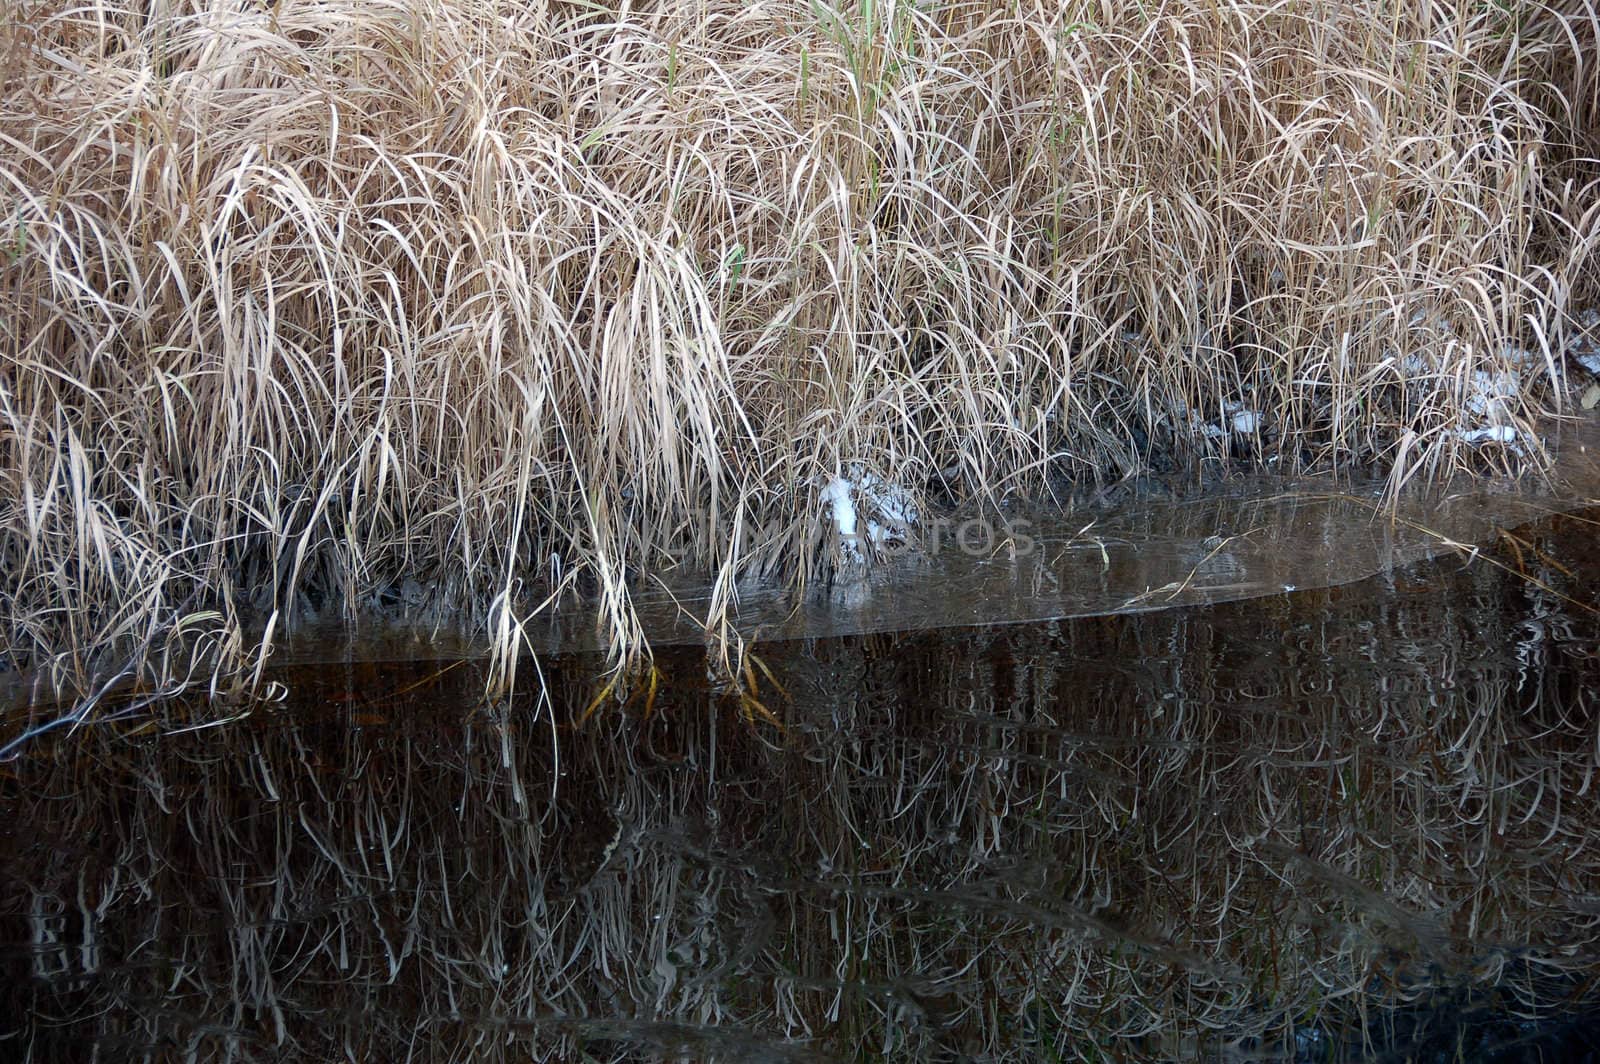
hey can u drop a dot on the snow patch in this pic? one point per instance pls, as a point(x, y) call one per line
point(1493, 434)
point(1524, 360)
point(1237, 420)
point(839, 495)
point(1489, 397)
point(1584, 348)
point(868, 511)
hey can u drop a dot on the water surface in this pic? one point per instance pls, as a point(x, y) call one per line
point(1345, 823)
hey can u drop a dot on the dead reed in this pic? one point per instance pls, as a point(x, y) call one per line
point(329, 306)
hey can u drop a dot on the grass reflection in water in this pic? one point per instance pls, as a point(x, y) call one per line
point(1321, 825)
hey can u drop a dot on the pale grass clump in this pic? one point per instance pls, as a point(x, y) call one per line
point(303, 301)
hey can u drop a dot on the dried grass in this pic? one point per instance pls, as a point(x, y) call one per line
point(301, 301)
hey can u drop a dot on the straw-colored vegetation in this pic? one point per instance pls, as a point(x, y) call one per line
point(306, 305)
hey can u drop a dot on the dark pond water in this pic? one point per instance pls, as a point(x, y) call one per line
point(1359, 822)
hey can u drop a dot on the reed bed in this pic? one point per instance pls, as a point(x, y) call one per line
point(326, 307)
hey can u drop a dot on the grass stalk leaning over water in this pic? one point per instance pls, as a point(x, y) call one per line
point(317, 306)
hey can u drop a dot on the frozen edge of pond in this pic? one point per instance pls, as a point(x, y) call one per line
point(1236, 542)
